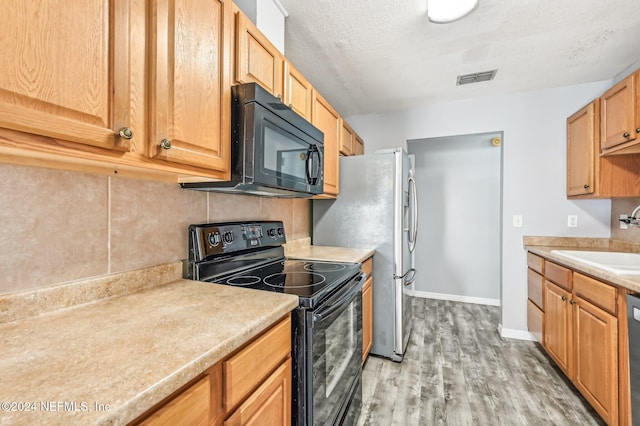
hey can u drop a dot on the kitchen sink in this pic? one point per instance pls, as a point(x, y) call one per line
point(619, 263)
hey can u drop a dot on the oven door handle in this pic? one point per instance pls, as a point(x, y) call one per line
point(326, 312)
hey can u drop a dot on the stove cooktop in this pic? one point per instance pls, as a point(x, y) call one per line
point(311, 281)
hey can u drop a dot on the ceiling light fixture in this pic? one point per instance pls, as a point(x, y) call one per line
point(444, 11)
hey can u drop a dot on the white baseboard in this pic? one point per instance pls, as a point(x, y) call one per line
point(510, 333)
point(454, 298)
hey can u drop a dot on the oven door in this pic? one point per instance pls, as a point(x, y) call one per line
point(336, 351)
point(284, 156)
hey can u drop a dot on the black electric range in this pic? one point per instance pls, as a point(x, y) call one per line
point(326, 326)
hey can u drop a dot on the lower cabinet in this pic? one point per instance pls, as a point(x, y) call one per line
point(581, 329)
point(367, 309)
point(250, 387)
point(558, 334)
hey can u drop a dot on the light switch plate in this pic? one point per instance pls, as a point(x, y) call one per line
point(572, 221)
point(517, 221)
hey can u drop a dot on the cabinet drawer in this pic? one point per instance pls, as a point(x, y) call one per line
point(596, 292)
point(534, 283)
point(535, 262)
point(367, 266)
point(558, 274)
point(244, 371)
point(191, 407)
point(535, 318)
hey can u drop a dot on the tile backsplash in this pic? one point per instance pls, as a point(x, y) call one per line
point(58, 226)
point(624, 206)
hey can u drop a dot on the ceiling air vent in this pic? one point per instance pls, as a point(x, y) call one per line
point(476, 77)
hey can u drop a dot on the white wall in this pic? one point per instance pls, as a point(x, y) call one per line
point(534, 169)
point(270, 20)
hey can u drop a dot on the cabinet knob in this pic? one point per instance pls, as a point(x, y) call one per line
point(586, 186)
point(564, 298)
point(165, 144)
point(125, 133)
point(637, 129)
point(573, 302)
point(625, 135)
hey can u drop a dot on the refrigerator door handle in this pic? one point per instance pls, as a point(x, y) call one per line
point(411, 271)
point(413, 230)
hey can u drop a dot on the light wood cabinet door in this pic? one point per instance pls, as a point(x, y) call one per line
point(358, 146)
point(596, 358)
point(558, 327)
point(367, 317)
point(619, 113)
point(190, 84)
point(582, 147)
point(257, 60)
point(66, 70)
point(270, 404)
point(327, 120)
point(347, 139)
point(297, 91)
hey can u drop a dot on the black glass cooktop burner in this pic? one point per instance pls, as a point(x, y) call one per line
point(310, 281)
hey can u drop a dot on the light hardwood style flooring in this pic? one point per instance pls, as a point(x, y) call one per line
point(458, 371)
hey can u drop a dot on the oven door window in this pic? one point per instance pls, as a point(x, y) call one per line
point(285, 156)
point(337, 355)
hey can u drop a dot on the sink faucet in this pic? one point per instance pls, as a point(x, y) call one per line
point(632, 219)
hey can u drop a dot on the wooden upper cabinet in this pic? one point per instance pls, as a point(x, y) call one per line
point(620, 117)
point(297, 91)
point(190, 82)
point(347, 139)
point(328, 120)
point(66, 70)
point(358, 146)
point(589, 174)
point(582, 143)
point(257, 60)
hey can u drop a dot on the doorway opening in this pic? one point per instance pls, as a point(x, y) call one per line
point(459, 244)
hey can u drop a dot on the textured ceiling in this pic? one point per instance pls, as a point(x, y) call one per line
point(368, 56)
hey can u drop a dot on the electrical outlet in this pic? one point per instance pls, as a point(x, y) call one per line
point(572, 221)
point(622, 224)
point(517, 221)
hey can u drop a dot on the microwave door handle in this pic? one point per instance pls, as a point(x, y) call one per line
point(312, 179)
point(318, 167)
point(308, 164)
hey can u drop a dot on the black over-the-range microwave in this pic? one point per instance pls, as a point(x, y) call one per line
point(274, 150)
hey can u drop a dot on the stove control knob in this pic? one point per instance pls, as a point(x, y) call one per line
point(214, 238)
point(228, 237)
point(271, 232)
point(280, 232)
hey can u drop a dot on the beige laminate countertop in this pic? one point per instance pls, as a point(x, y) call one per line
point(331, 254)
point(128, 352)
point(543, 247)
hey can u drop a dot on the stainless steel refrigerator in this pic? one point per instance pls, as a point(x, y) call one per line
point(377, 208)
